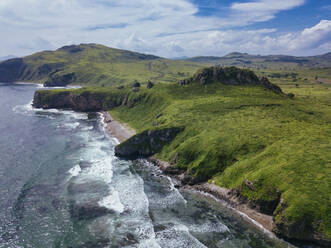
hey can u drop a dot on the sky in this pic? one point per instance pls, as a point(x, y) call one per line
point(168, 28)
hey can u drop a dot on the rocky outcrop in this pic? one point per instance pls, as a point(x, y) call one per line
point(12, 70)
point(229, 76)
point(268, 85)
point(63, 100)
point(84, 100)
point(150, 85)
point(301, 231)
point(146, 143)
point(60, 80)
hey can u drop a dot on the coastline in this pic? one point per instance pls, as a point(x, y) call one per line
point(121, 131)
point(262, 221)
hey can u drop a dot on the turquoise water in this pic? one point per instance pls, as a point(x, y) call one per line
point(62, 186)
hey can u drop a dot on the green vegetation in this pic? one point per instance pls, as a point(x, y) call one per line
point(238, 133)
point(245, 132)
point(232, 133)
point(96, 65)
point(269, 62)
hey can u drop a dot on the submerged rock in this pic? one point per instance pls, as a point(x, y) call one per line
point(88, 211)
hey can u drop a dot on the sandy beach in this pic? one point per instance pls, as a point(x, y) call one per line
point(121, 131)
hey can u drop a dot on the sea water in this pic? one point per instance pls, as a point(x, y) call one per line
point(62, 186)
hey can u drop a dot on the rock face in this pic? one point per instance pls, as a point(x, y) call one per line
point(84, 100)
point(150, 85)
point(60, 81)
point(266, 84)
point(11, 70)
point(229, 76)
point(146, 143)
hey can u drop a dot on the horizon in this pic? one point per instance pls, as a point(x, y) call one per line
point(8, 57)
point(189, 28)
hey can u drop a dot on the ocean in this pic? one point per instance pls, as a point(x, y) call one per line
point(62, 186)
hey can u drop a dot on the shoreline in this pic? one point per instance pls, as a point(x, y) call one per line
point(263, 222)
point(121, 131)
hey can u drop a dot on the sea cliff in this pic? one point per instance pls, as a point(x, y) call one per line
point(233, 130)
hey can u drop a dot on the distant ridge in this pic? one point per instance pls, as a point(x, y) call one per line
point(245, 59)
point(93, 64)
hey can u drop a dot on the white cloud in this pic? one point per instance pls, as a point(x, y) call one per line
point(166, 28)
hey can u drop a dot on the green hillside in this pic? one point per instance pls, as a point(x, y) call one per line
point(234, 130)
point(94, 65)
point(268, 62)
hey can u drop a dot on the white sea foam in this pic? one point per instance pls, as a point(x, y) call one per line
point(210, 227)
point(74, 171)
point(71, 125)
point(23, 109)
point(177, 236)
point(258, 225)
point(113, 202)
point(87, 128)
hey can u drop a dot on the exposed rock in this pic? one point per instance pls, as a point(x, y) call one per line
point(49, 69)
point(250, 185)
point(136, 85)
point(158, 116)
point(229, 76)
point(62, 80)
point(87, 101)
point(184, 82)
point(72, 48)
point(88, 211)
point(266, 83)
point(150, 85)
point(11, 70)
point(291, 95)
point(146, 143)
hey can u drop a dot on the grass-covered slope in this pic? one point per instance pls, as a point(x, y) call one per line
point(235, 134)
point(272, 62)
point(238, 133)
point(93, 64)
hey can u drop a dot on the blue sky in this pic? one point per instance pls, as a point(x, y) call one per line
point(169, 28)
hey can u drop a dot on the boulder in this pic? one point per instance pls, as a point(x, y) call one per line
point(150, 85)
point(136, 85)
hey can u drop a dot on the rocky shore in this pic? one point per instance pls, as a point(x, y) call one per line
point(123, 132)
point(262, 199)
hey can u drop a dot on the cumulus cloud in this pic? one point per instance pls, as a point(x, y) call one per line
point(167, 28)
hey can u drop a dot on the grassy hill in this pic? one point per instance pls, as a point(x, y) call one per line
point(232, 133)
point(94, 65)
point(269, 62)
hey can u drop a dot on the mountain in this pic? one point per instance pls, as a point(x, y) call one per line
point(94, 65)
point(266, 62)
